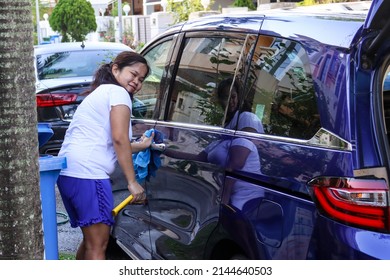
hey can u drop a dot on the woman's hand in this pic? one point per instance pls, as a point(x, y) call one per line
point(145, 141)
point(137, 191)
point(142, 143)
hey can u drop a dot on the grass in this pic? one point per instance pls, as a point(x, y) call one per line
point(66, 256)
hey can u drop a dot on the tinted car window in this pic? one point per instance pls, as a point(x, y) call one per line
point(156, 58)
point(72, 63)
point(205, 62)
point(283, 91)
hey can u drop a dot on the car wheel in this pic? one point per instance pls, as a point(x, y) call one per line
point(238, 257)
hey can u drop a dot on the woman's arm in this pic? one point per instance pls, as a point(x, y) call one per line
point(238, 157)
point(202, 156)
point(119, 120)
point(142, 144)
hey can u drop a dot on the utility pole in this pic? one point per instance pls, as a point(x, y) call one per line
point(120, 20)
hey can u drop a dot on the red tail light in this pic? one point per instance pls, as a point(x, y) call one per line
point(55, 99)
point(358, 202)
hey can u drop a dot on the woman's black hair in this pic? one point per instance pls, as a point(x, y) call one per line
point(224, 87)
point(104, 74)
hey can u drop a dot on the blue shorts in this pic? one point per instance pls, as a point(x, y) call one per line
point(87, 201)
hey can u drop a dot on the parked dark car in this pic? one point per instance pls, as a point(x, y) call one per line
point(310, 182)
point(63, 72)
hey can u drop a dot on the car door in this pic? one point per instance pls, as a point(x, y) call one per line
point(132, 227)
point(185, 195)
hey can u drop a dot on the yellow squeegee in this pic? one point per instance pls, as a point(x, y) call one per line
point(120, 206)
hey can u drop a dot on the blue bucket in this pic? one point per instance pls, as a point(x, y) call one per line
point(44, 133)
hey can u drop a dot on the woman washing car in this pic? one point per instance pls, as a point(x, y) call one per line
point(98, 137)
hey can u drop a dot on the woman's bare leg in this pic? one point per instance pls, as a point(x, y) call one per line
point(80, 255)
point(94, 244)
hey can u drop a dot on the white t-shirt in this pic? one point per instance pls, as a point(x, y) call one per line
point(247, 119)
point(88, 146)
point(218, 151)
point(242, 191)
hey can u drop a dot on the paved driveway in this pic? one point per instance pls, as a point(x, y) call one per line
point(68, 238)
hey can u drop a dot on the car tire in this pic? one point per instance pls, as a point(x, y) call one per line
point(114, 252)
point(238, 257)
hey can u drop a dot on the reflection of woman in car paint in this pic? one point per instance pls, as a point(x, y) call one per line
point(238, 154)
point(243, 154)
point(228, 94)
point(244, 151)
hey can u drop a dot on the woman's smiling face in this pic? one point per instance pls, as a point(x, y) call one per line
point(130, 77)
point(229, 100)
point(233, 101)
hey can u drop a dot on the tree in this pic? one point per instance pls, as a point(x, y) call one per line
point(21, 234)
point(244, 3)
point(183, 9)
point(74, 19)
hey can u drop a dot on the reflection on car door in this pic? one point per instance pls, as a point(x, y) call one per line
point(185, 195)
point(132, 227)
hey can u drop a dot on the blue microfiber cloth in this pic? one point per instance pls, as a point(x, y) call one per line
point(146, 162)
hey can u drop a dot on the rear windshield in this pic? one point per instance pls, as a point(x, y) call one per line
point(72, 63)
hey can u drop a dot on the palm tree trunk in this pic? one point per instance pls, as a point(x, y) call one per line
point(21, 235)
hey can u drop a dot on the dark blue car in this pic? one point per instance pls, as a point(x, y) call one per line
point(275, 128)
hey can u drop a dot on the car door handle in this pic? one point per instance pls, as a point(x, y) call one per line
point(158, 147)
